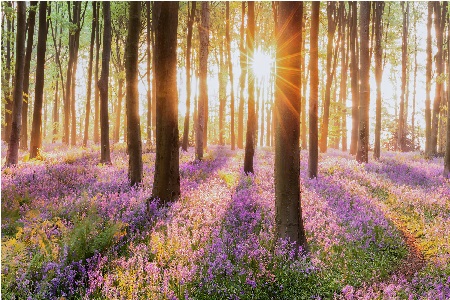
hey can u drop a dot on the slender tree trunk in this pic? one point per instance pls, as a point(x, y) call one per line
point(364, 93)
point(36, 134)
point(263, 104)
point(447, 148)
point(288, 215)
point(149, 62)
point(155, 15)
point(55, 124)
point(8, 88)
point(191, 16)
point(96, 74)
point(429, 66)
point(331, 16)
point(89, 83)
point(166, 186)
point(243, 62)
point(305, 72)
point(378, 19)
point(222, 93)
point(354, 74)
point(119, 110)
point(251, 121)
point(413, 125)
point(132, 98)
point(230, 71)
point(12, 156)
point(314, 91)
point(203, 66)
point(401, 120)
point(26, 81)
point(103, 85)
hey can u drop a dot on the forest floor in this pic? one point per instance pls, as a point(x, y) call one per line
point(73, 228)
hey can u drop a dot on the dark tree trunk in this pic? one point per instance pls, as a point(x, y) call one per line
point(132, 98)
point(119, 110)
point(288, 215)
point(8, 88)
point(447, 148)
point(230, 71)
point(89, 83)
point(401, 119)
point(155, 15)
point(96, 74)
point(26, 80)
point(251, 120)
point(364, 93)
point(243, 62)
point(191, 16)
point(149, 62)
point(429, 67)
point(305, 72)
point(314, 91)
point(36, 134)
point(103, 85)
point(354, 74)
point(166, 186)
point(378, 19)
point(12, 156)
point(203, 88)
point(331, 16)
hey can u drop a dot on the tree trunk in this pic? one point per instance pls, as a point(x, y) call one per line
point(55, 124)
point(8, 88)
point(67, 98)
point(263, 104)
point(149, 62)
point(354, 74)
point(155, 15)
point(89, 83)
point(413, 125)
point(26, 80)
point(96, 73)
point(251, 121)
point(222, 93)
point(36, 134)
point(103, 85)
point(203, 88)
point(118, 111)
point(331, 16)
point(166, 186)
point(132, 98)
point(401, 119)
point(230, 72)
point(378, 19)
point(288, 211)
point(191, 16)
point(12, 156)
point(447, 148)
point(314, 91)
point(364, 93)
point(429, 66)
point(243, 62)
point(305, 72)
point(439, 23)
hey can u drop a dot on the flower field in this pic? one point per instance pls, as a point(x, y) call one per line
point(74, 229)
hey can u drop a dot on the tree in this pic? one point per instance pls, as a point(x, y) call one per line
point(401, 118)
point(447, 148)
point(103, 85)
point(96, 73)
point(429, 66)
point(166, 185)
point(354, 72)
point(378, 17)
point(331, 18)
point(364, 93)
point(288, 215)
point(36, 134)
point(7, 77)
point(344, 19)
point(203, 87)
point(89, 75)
point(132, 98)
point(26, 80)
point(314, 91)
point(230, 72)
point(149, 63)
point(243, 62)
point(251, 120)
point(191, 16)
point(12, 155)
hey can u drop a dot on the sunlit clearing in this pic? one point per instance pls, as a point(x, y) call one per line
point(262, 64)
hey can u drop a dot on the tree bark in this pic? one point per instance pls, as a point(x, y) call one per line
point(55, 124)
point(149, 62)
point(132, 98)
point(354, 74)
point(364, 93)
point(314, 91)
point(401, 119)
point(251, 120)
point(429, 67)
point(203, 88)
point(305, 72)
point(26, 81)
point(413, 125)
point(12, 155)
point(344, 76)
point(447, 148)
point(222, 92)
point(89, 83)
point(191, 17)
point(8, 88)
point(378, 21)
point(230, 72)
point(288, 211)
point(96, 74)
point(103, 85)
point(119, 110)
point(243, 62)
point(166, 185)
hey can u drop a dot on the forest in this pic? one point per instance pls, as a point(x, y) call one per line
point(225, 150)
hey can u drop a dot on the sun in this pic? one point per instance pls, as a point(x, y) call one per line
point(262, 64)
